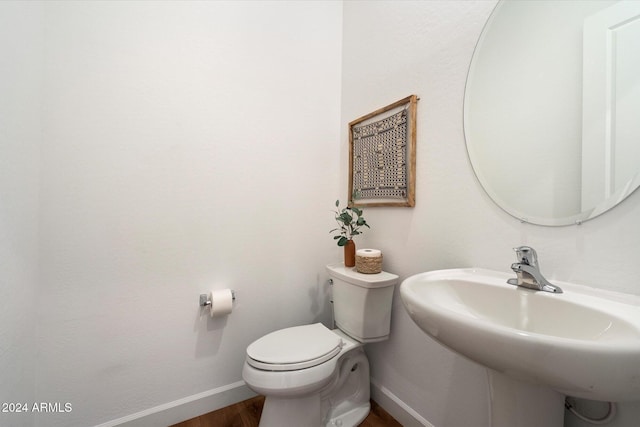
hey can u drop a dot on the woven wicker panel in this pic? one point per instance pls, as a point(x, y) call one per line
point(380, 158)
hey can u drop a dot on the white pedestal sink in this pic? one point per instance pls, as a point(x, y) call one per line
point(539, 346)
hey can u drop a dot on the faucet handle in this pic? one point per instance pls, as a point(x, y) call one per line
point(527, 255)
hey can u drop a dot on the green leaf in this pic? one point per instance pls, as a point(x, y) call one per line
point(337, 203)
point(346, 218)
point(343, 241)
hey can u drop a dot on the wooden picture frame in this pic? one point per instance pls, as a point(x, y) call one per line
point(382, 156)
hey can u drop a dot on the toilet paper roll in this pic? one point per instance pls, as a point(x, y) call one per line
point(221, 302)
point(369, 253)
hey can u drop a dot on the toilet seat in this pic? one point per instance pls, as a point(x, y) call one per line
point(294, 348)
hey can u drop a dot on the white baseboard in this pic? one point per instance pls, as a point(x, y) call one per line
point(185, 408)
point(210, 400)
point(399, 410)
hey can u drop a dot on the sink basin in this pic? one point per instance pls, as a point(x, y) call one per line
point(584, 342)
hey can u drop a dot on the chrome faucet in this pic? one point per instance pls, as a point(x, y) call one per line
point(528, 273)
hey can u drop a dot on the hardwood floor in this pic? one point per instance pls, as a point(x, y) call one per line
point(247, 414)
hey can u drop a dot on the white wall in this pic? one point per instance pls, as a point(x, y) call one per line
point(20, 86)
point(188, 146)
point(194, 145)
point(391, 50)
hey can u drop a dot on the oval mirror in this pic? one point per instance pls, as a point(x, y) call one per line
point(551, 108)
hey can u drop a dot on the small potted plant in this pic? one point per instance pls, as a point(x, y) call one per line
point(349, 220)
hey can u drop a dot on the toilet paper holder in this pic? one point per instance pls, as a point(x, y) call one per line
point(205, 301)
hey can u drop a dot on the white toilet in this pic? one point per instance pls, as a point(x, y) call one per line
point(313, 376)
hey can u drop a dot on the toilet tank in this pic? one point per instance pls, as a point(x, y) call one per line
point(362, 302)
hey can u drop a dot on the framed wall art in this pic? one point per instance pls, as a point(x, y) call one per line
point(382, 156)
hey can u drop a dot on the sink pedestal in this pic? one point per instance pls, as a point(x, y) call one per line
point(517, 403)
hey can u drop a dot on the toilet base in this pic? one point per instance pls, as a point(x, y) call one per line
point(283, 411)
point(345, 402)
point(353, 417)
point(306, 412)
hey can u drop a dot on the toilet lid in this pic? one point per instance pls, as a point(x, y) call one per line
point(294, 348)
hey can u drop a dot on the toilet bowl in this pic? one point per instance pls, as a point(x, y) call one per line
point(331, 389)
point(313, 376)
